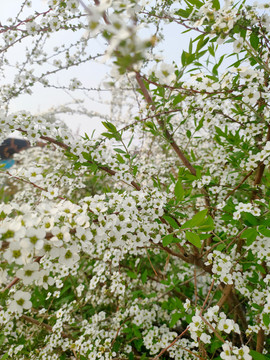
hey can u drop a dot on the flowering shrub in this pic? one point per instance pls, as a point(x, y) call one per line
point(168, 256)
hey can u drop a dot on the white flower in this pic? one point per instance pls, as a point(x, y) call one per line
point(251, 95)
point(74, 84)
point(166, 74)
point(187, 304)
point(29, 273)
point(69, 256)
point(226, 353)
point(205, 338)
point(21, 301)
point(34, 174)
point(15, 253)
point(51, 192)
point(44, 279)
point(238, 45)
point(226, 325)
point(34, 240)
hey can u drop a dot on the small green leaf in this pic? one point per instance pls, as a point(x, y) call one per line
point(249, 234)
point(130, 141)
point(264, 231)
point(194, 239)
point(249, 219)
point(183, 58)
point(171, 221)
point(257, 356)
point(5, 356)
point(188, 133)
point(167, 240)
point(109, 126)
point(144, 276)
point(132, 275)
point(108, 135)
point(266, 319)
point(211, 50)
point(179, 191)
point(120, 151)
point(207, 224)
point(120, 159)
point(216, 4)
point(196, 220)
point(254, 40)
point(175, 318)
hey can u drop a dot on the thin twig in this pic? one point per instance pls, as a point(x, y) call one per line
point(174, 341)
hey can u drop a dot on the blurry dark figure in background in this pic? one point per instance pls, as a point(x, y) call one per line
point(12, 146)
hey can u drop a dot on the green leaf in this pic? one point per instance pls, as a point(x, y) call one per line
point(250, 235)
point(120, 151)
point(178, 98)
point(5, 356)
point(207, 225)
point(130, 141)
point(260, 268)
point(167, 240)
point(131, 356)
point(144, 276)
point(211, 50)
point(188, 133)
point(264, 231)
point(194, 239)
point(197, 3)
point(132, 275)
point(183, 58)
point(200, 125)
point(175, 318)
point(171, 221)
point(249, 219)
point(179, 191)
point(216, 4)
point(196, 220)
point(257, 356)
point(266, 319)
point(202, 42)
point(120, 159)
point(258, 307)
point(254, 40)
point(2, 339)
point(108, 135)
point(109, 126)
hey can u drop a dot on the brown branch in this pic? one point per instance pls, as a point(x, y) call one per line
point(190, 259)
point(45, 326)
point(226, 293)
point(260, 341)
point(207, 297)
point(31, 183)
point(167, 134)
point(238, 186)
point(213, 329)
point(174, 341)
point(260, 171)
point(67, 148)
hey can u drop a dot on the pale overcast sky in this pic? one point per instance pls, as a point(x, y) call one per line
point(92, 74)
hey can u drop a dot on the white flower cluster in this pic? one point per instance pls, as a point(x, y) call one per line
point(205, 180)
point(231, 352)
point(249, 208)
point(222, 266)
point(254, 159)
point(219, 321)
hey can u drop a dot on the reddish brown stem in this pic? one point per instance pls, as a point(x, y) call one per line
point(167, 134)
